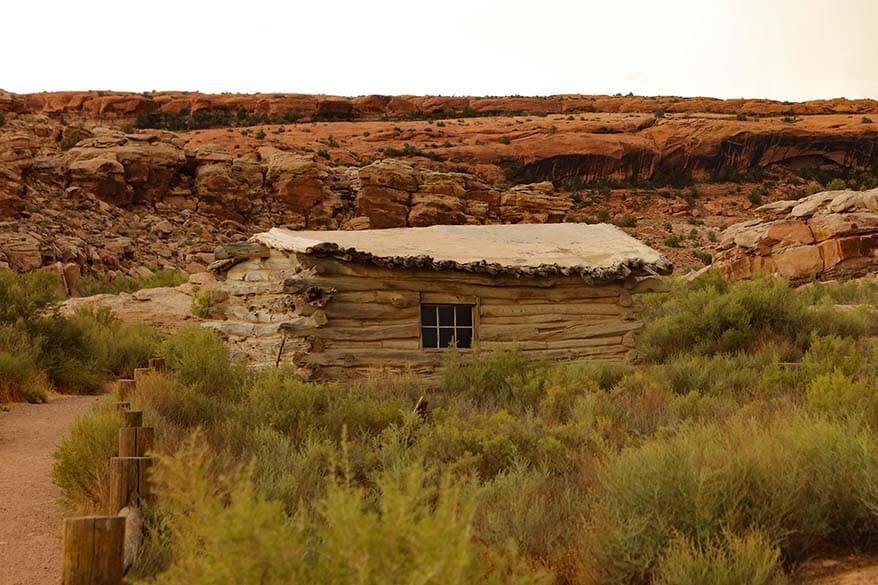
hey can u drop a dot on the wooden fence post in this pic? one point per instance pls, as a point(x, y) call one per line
point(125, 388)
point(139, 373)
point(129, 482)
point(157, 364)
point(135, 441)
point(93, 550)
point(133, 418)
point(123, 405)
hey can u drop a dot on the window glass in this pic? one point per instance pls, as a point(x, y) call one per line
point(446, 315)
point(428, 315)
point(445, 324)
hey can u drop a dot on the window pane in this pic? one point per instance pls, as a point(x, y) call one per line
point(429, 337)
point(428, 314)
point(464, 337)
point(464, 315)
point(446, 334)
point(446, 315)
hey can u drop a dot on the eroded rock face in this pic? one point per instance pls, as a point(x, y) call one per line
point(830, 234)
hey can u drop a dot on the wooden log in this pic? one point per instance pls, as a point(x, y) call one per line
point(93, 550)
point(157, 364)
point(369, 311)
point(400, 299)
point(139, 375)
point(516, 309)
point(135, 441)
point(125, 389)
point(370, 332)
point(240, 250)
point(129, 482)
point(586, 330)
point(133, 418)
point(123, 405)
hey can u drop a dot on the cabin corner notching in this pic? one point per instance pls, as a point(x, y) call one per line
point(338, 305)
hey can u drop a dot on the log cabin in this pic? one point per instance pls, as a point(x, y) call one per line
point(342, 304)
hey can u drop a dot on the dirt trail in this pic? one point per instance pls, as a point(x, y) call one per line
point(30, 509)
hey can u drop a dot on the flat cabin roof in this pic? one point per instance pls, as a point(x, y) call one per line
point(592, 251)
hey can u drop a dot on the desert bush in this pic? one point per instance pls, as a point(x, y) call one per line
point(89, 285)
point(711, 316)
point(836, 394)
point(225, 531)
point(732, 560)
point(200, 359)
point(81, 466)
point(491, 377)
point(801, 480)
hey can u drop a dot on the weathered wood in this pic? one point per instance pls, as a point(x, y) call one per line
point(135, 441)
point(398, 299)
point(139, 375)
point(374, 357)
point(572, 344)
point(133, 418)
point(93, 550)
point(511, 333)
point(129, 482)
point(585, 309)
point(369, 311)
point(125, 388)
point(239, 250)
point(545, 319)
point(369, 332)
point(157, 364)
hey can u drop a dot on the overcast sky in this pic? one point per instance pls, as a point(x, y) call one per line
point(781, 49)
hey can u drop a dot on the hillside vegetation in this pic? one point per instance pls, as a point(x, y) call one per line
point(743, 443)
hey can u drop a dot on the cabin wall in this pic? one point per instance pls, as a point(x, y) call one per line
point(341, 320)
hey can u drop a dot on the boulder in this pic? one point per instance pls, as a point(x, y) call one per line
point(830, 234)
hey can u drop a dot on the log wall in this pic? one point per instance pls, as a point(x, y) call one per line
point(335, 319)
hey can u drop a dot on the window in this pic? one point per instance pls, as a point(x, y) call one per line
point(443, 324)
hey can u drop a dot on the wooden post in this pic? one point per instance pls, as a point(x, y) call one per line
point(135, 441)
point(157, 364)
point(129, 482)
point(93, 550)
point(125, 388)
point(139, 373)
point(133, 418)
point(123, 405)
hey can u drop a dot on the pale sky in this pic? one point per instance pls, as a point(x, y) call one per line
point(780, 49)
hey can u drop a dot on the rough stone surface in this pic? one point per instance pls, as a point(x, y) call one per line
point(829, 234)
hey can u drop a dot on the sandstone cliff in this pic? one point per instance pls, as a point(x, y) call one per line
point(81, 185)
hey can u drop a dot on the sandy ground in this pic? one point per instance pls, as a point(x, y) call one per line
point(30, 510)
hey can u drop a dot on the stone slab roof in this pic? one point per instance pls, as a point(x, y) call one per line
point(592, 251)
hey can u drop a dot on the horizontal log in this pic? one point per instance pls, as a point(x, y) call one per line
point(515, 310)
point(409, 344)
point(370, 332)
point(332, 268)
point(398, 299)
point(374, 357)
point(558, 319)
point(522, 290)
point(370, 311)
point(510, 333)
point(241, 250)
point(571, 344)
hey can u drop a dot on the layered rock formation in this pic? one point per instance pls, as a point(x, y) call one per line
point(833, 234)
point(79, 185)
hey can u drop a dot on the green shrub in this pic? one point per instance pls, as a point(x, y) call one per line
point(864, 120)
point(89, 285)
point(70, 139)
point(733, 560)
point(710, 316)
point(225, 532)
point(836, 394)
point(802, 481)
point(82, 461)
point(491, 377)
point(836, 185)
point(200, 358)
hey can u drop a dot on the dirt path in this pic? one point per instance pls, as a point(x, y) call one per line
point(30, 509)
